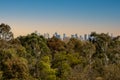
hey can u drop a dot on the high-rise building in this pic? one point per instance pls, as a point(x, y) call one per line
point(81, 38)
point(57, 35)
point(85, 36)
point(64, 36)
point(76, 36)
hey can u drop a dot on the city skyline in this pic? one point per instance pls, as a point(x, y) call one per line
point(65, 36)
point(62, 16)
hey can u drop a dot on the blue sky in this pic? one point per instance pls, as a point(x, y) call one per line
point(62, 16)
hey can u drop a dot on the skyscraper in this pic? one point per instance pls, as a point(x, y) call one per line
point(76, 36)
point(64, 36)
point(85, 36)
point(57, 35)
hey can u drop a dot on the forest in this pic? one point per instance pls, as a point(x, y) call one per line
point(33, 57)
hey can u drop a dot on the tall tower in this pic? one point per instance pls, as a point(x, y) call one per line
point(85, 37)
point(64, 36)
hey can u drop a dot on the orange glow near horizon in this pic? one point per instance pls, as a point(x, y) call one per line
point(67, 29)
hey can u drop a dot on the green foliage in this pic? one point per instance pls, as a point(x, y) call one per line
point(34, 44)
point(33, 57)
point(111, 72)
point(56, 44)
point(5, 32)
point(46, 72)
point(13, 67)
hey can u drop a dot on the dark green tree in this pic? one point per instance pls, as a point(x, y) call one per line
point(5, 32)
point(12, 66)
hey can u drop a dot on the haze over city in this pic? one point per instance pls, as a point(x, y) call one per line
point(62, 16)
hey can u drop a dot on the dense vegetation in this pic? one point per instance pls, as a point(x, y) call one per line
point(33, 57)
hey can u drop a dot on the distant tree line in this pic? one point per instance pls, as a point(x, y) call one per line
point(33, 57)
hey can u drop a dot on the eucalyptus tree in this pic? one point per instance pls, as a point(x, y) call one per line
point(114, 50)
point(37, 47)
point(45, 70)
point(101, 41)
point(55, 45)
point(12, 66)
point(5, 32)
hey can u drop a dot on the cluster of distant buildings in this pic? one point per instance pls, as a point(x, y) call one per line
point(64, 37)
point(76, 36)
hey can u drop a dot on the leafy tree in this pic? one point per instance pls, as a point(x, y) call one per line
point(37, 47)
point(114, 50)
point(33, 57)
point(111, 72)
point(34, 44)
point(13, 67)
point(5, 32)
point(46, 72)
point(63, 68)
point(56, 45)
point(101, 42)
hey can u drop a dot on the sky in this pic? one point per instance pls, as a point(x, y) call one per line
point(62, 16)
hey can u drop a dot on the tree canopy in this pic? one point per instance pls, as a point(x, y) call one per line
point(33, 57)
point(5, 32)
